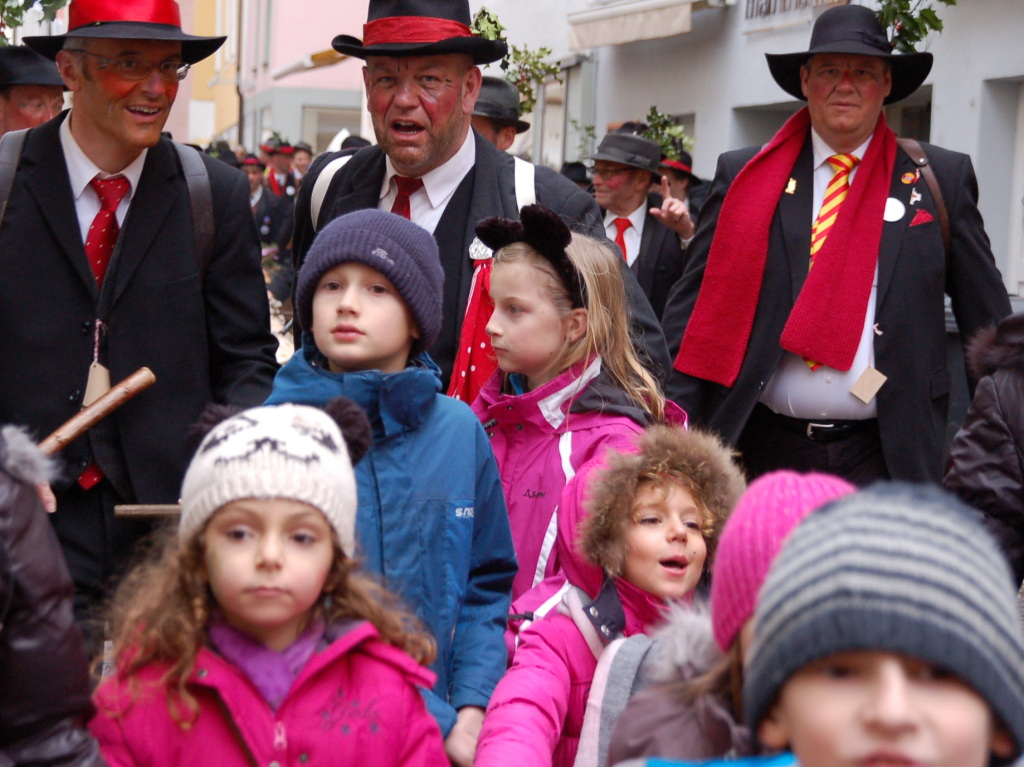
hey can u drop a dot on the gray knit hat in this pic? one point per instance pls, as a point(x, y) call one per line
point(397, 248)
point(900, 568)
point(287, 451)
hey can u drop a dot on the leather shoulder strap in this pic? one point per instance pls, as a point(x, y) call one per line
point(11, 145)
point(201, 200)
point(526, 189)
point(917, 154)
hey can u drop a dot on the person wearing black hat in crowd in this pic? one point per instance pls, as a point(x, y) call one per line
point(625, 166)
point(301, 159)
point(422, 81)
point(273, 218)
point(840, 367)
point(282, 180)
point(496, 114)
point(101, 276)
point(31, 91)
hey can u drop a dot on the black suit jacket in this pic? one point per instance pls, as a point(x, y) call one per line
point(491, 193)
point(205, 335)
point(661, 259)
point(914, 275)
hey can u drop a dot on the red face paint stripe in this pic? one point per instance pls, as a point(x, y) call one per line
point(412, 29)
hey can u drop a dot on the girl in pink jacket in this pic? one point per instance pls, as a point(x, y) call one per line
point(253, 639)
point(638, 543)
point(569, 384)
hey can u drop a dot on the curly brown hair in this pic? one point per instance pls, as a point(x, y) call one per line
point(160, 612)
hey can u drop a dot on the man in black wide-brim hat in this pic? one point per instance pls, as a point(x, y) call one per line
point(101, 276)
point(31, 91)
point(422, 82)
point(840, 367)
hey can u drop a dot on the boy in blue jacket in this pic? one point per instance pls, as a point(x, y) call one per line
point(431, 519)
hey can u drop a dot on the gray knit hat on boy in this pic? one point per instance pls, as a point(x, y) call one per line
point(397, 248)
point(287, 451)
point(900, 568)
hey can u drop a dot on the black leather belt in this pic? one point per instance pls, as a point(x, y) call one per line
point(821, 430)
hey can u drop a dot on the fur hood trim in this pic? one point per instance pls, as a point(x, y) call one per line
point(21, 457)
point(997, 347)
point(684, 645)
point(704, 464)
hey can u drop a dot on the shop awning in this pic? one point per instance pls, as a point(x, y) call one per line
point(628, 21)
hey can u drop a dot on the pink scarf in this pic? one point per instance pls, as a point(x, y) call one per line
point(826, 321)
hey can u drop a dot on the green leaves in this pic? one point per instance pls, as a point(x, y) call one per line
point(910, 21)
point(12, 13)
point(524, 68)
point(663, 130)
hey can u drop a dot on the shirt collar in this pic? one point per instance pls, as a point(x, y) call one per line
point(82, 170)
point(823, 151)
point(441, 182)
point(636, 218)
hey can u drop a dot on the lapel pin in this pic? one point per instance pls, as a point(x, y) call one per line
point(915, 197)
point(791, 186)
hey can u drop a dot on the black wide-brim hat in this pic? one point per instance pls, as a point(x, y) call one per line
point(22, 66)
point(419, 28)
point(499, 100)
point(852, 29)
point(127, 20)
point(628, 149)
point(683, 165)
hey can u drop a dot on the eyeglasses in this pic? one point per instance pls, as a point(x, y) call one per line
point(606, 172)
point(138, 68)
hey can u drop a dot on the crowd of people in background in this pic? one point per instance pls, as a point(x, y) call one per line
point(453, 450)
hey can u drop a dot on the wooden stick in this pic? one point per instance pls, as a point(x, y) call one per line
point(146, 510)
point(88, 417)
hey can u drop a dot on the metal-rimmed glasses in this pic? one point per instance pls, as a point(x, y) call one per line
point(139, 68)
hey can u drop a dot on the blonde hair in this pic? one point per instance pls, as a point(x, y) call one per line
point(159, 614)
point(607, 332)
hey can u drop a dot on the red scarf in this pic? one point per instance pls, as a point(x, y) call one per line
point(826, 321)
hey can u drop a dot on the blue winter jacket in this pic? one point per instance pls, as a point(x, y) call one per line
point(431, 520)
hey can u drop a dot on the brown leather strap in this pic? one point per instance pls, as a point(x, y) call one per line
point(201, 200)
point(916, 153)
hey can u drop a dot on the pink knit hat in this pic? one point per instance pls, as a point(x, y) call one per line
point(766, 514)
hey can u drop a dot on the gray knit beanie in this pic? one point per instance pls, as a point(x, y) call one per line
point(900, 568)
point(285, 451)
point(397, 248)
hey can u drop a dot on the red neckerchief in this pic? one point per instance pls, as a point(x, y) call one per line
point(475, 362)
point(827, 319)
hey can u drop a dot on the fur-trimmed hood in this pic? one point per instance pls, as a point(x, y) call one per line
point(997, 347)
point(21, 457)
point(700, 458)
point(684, 645)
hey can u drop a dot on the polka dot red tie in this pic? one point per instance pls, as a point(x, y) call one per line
point(102, 236)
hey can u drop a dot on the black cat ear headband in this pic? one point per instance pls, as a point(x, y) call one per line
point(545, 232)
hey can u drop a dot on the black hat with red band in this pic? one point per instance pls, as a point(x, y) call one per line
point(419, 28)
point(127, 20)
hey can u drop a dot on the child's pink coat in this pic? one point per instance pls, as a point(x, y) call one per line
point(355, 702)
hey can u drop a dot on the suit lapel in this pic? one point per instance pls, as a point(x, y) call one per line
point(45, 175)
point(646, 261)
point(151, 202)
point(364, 190)
point(893, 231)
point(794, 217)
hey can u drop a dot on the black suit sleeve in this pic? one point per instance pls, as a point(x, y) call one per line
point(241, 347)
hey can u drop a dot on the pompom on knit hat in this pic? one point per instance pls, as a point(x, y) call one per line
point(402, 251)
point(286, 451)
point(897, 568)
point(773, 505)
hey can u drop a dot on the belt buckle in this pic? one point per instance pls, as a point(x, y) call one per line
point(812, 426)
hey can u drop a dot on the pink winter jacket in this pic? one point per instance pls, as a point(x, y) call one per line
point(536, 713)
point(540, 446)
point(355, 702)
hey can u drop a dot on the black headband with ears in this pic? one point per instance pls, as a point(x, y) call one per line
point(545, 232)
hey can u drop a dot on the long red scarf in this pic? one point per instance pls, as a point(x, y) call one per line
point(826, 321)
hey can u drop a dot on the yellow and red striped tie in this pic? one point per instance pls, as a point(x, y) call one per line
point(835, 194)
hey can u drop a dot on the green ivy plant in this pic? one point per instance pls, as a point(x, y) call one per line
point(12, 13)
point(523, 67)
point(664, 131)
point(587, 138)
point(909, 21)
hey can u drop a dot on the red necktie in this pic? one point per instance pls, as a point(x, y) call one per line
point(475, 362)
point(406, 186)
point(622, 224)
point(102, 236)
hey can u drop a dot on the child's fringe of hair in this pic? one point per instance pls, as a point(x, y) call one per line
point(607, 318)
point(160, 612)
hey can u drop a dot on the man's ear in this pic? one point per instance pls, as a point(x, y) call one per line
point(69, 71)
point(471, 89)
point(773, 731)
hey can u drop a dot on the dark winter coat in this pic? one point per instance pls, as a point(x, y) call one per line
point(44, 677)
point(987, 455)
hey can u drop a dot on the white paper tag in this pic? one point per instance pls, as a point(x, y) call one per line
point(98, 384)
point(867, 385)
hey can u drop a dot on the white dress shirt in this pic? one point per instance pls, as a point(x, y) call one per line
point(632, 235)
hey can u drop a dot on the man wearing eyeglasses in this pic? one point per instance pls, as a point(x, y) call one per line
point(101, 276)
point(31, 91)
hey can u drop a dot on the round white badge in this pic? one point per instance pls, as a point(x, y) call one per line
point(894, 210)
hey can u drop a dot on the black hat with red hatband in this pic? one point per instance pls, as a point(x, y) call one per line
point(419, 28)
point(127, 20)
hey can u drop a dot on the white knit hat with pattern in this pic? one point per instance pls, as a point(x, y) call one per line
point(286, 451)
